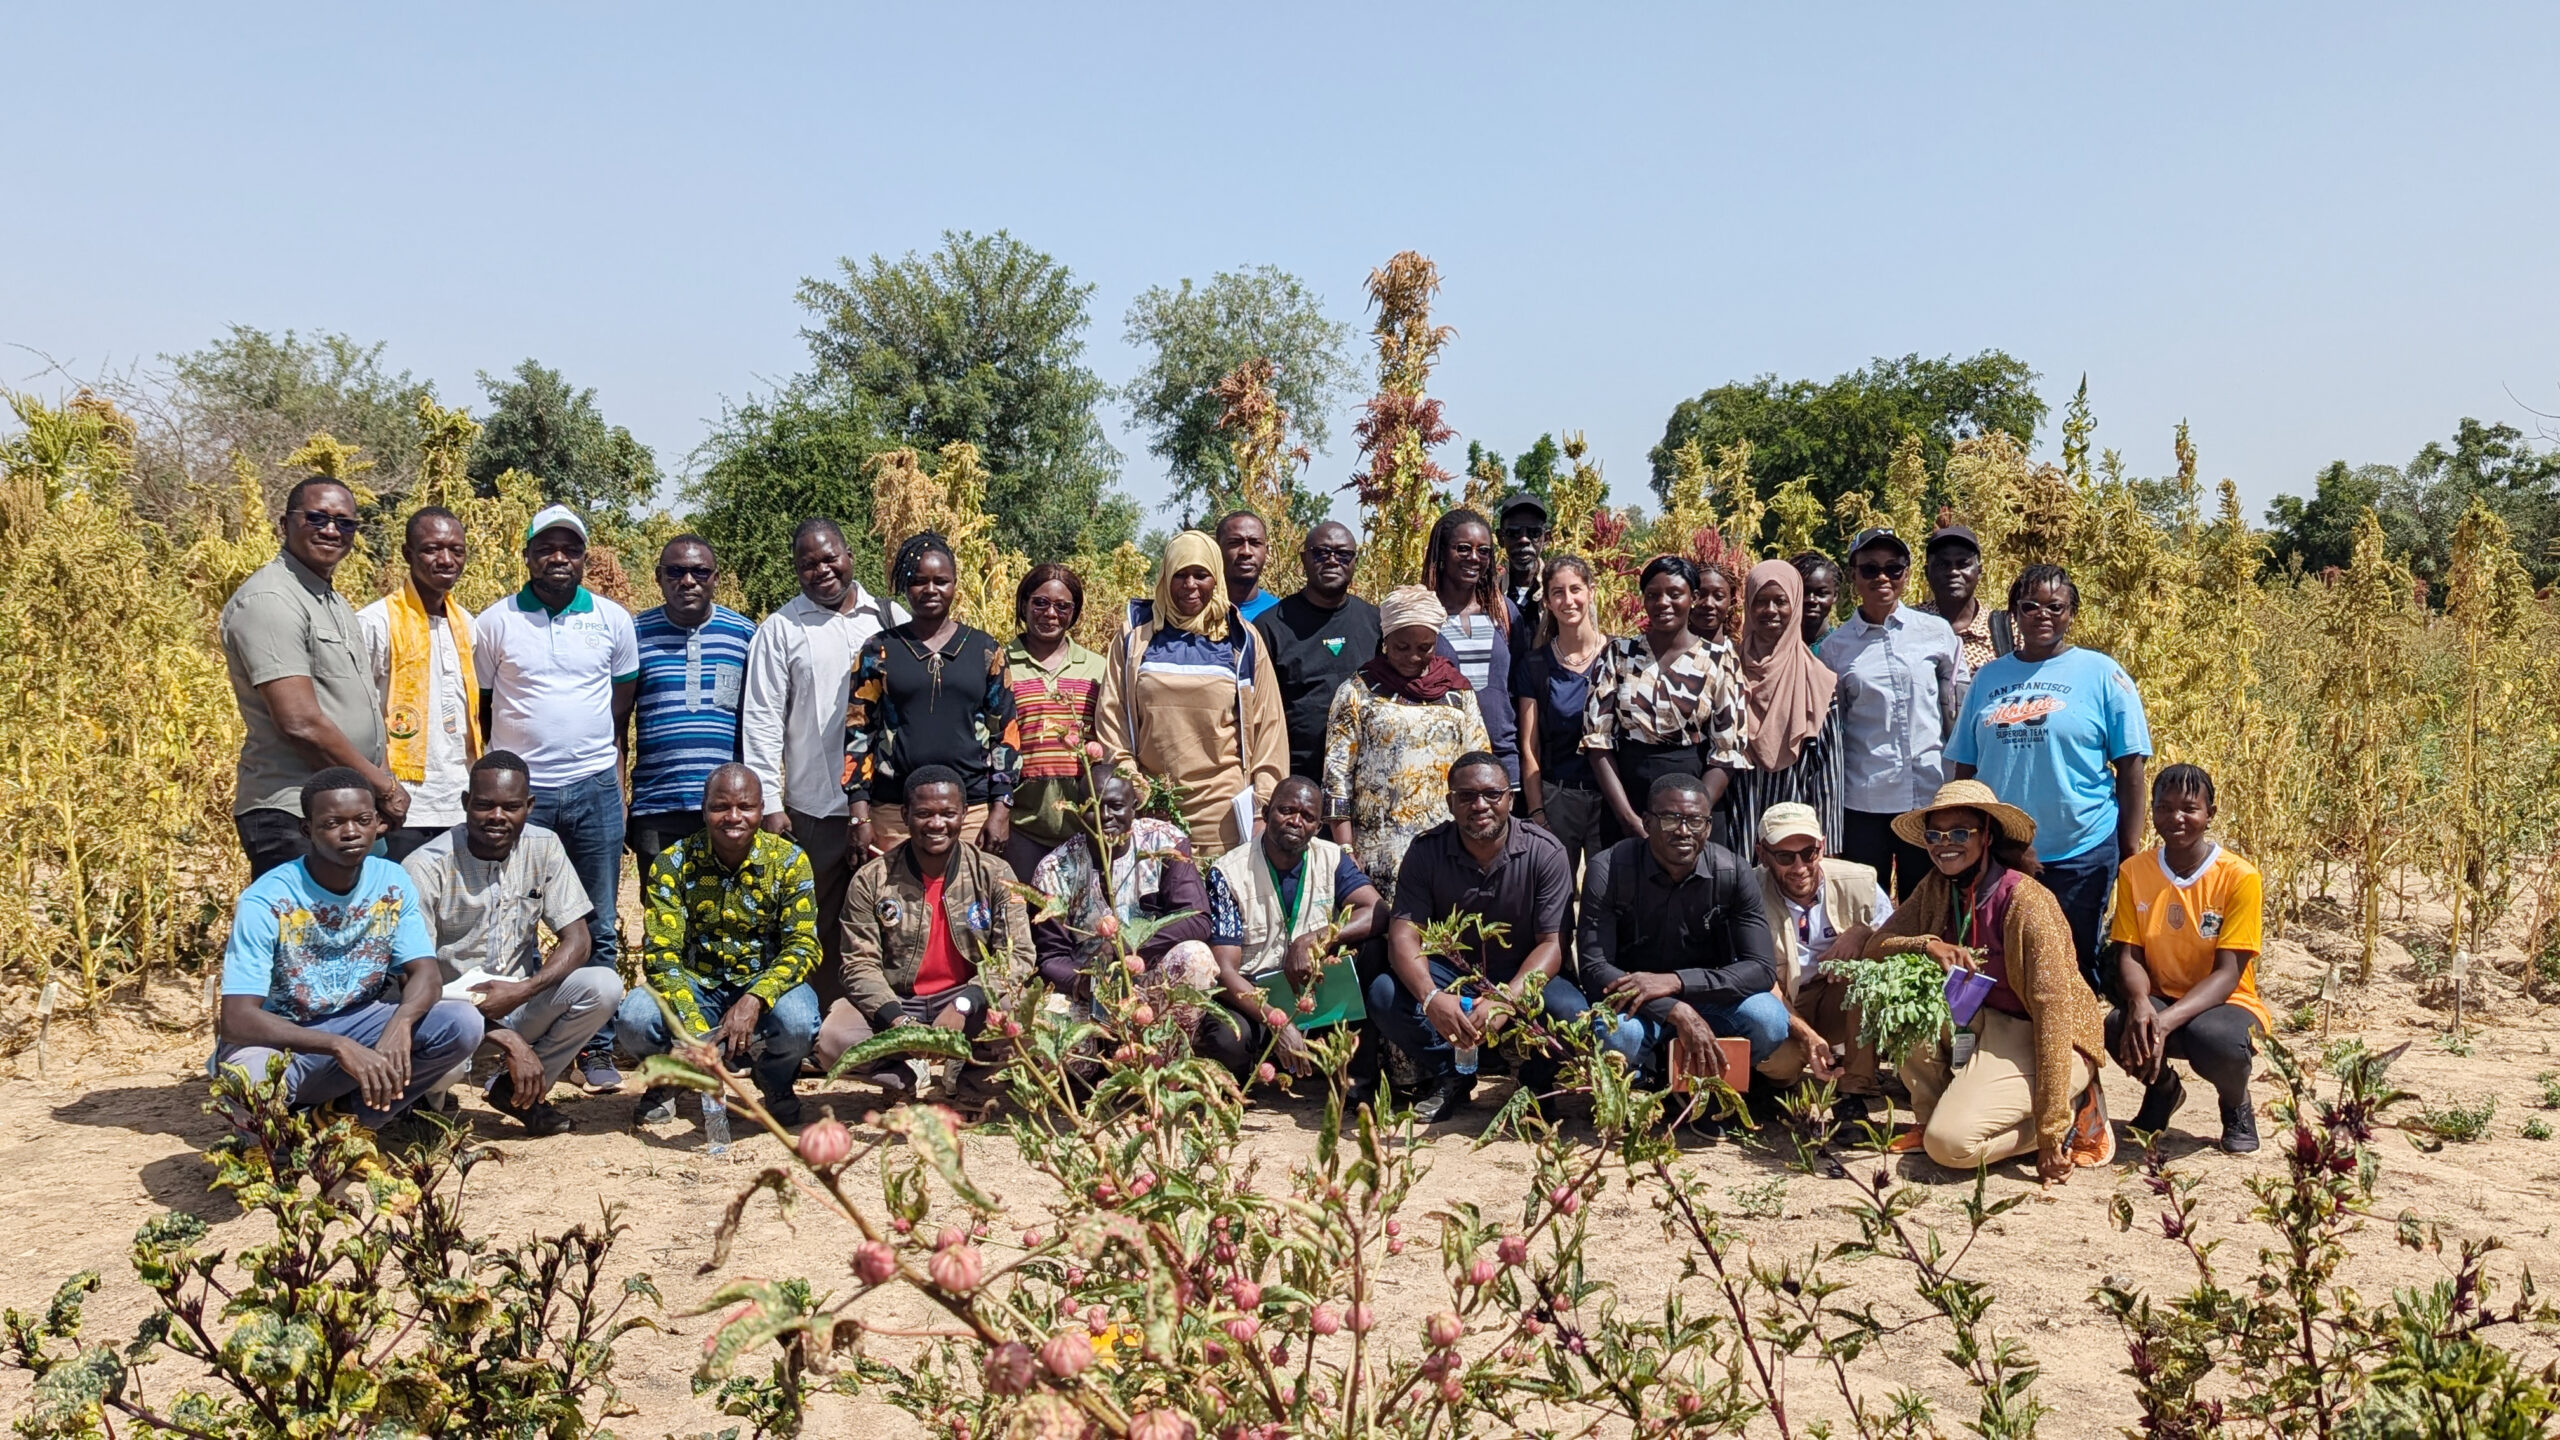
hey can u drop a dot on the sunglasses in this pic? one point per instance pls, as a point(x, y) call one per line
point(1883, 572)
point(1343, 553)
point(2043, 607)
point(328, 524)
point(1046, 606)
point(1797, 855)
point(686, 572)
point(1962, 835)
point(1478, 797)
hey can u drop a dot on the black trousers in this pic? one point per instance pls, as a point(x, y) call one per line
point(1867, 839)
point(650, 836)
point(272, 839)
point(2215, 1045)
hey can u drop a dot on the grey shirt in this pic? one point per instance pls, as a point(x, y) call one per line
point(283, 621)
point(482, 913)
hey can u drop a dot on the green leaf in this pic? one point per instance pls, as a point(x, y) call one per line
point(929, 1129)
point(660, 1070)
point(763, 1310)
point(930, 1040)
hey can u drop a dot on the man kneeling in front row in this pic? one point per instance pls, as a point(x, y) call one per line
point(485, 886)
point(729, 935)
point(1819, 909)
point(1674, 940)
point(315, 945)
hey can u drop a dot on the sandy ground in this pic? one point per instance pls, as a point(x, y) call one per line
point(106, 1138)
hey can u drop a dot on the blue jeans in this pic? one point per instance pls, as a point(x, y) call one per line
point(587, 816)
point(1399, 1015)
point(788, 1028)
point(443, 1038)
point(1760, 1019)
point(2082, 884)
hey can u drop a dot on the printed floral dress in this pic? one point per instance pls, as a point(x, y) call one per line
point(1386, 768)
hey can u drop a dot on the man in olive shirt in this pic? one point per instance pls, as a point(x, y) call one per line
point(302, 674)
point(1318, 638)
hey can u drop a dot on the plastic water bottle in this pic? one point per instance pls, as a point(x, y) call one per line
point(715, 1123)
point(1466, 1053)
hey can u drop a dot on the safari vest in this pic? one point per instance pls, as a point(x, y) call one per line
point(1267, 928)
point(1848, 896)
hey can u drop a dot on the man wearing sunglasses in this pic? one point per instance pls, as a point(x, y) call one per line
point(1898, 670)
point(693, 669)
point(302, 673)
point(1818, 909)
point(1318, 638)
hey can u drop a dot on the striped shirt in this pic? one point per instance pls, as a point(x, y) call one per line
point(1054, 710)
point(685, 716)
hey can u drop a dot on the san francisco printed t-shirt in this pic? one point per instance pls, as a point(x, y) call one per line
point(551, 677)
point(2044, 736)
point(2179, 927)
point(311, 954)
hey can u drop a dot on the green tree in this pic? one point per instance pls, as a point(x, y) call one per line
point(1843, 432)
point(1535, 470)
point(260, 396)
point(2420, 505)
point(771, 463)
point(982, 341)
point(540, 424)
point(2320, 533)
point(1197, 336)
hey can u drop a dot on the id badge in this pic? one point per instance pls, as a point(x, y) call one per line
point(1960, 1053)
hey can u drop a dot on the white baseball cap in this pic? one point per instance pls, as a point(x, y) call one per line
point(555, 517)
point(1788, 820)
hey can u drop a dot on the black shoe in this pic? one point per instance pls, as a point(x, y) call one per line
point(1848, 1110)
point(657, 1105)
point(1443, 1098)
point(2239, 1128)
point(2160, 1101)
point(785, 1110)
point(540, 1118)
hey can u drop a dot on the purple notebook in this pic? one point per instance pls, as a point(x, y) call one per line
point(1966, 990)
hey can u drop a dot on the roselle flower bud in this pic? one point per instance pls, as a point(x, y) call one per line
point(1394, 1228)
point(957, 1269)
point(1360, 1320)
point(874, 1261)
point(1242, 1329)
point(1142, 1015)
point(825, 1143)
point(1246, 1294)
point(1213, 1352)
point(1135, 965)
point(1395, 1247)
point(1688, 1402)
point(1481, 1271)
point(1030, 1239)
point(1066, 1354)
point(1107, 928)
point(1139, 1187)
point(1161, 1425)
point(951, 1235)
point(1451, 1390)
point(1443, 1330)
point(1266, 1072)
point(1323, 1321)
point(1008, 1369)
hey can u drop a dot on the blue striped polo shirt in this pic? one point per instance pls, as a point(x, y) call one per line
point(685, 718)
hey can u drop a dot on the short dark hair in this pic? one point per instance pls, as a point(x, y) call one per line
point(1474, 758)
point(2036, 577)
point(723, 772)
point(331, 780)
point(1675, 783)
point(293, 497)
point(928, 775)
point(2183, 779)
point(503, 760)
point(1041, 575)
point(409, 532)
point(1295, 782)
point(816, 525)
point(1219, 531)
point(1814, 562)
point(1680, 565)
point(687, 538)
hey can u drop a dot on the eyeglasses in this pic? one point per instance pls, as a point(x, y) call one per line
point(1344, 553)
point(2043, 607)
point(1681, 824)
point(1046, 606)
point(1795, 855)
point(1883, 572)
point(1478, 797)
point(686, 572)
point(328, 524)
point(1963, 835)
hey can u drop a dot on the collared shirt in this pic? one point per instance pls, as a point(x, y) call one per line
point(752, 929)
point(684, 717)
point(550, 676)
point(483, 914)
point(1704, 926)
point(799, 679)
point(437, 798)
point(1528, 889)
point(284, 621)
point(1897, 701)
point(1053, 708)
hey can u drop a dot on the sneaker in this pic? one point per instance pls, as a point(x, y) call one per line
point(1906, 1143)
point(2239, 1128)
point(2092, 1140)
point(1443, 1098)
point(1848, 1110)
point(2160, 1101)
point(657, 1105)
point(596, 1071)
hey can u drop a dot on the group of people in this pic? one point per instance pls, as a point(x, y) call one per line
point(1422, 815)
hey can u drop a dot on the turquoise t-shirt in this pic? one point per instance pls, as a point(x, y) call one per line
point(2043, 735)
point(311, 954)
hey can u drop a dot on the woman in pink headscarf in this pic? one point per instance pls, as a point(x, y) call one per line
point(1794, 744)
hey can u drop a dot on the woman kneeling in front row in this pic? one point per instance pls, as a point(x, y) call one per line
point(2025, 1074)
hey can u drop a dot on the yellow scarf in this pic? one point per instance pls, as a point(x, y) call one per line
point(413, 671)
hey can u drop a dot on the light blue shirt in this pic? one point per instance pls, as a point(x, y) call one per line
point(2044, 735)
point(312, 954)
point(1897, 695)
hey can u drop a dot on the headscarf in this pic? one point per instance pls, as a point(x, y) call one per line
point(1184, 551)
point(1405, 607)
point(1786, 689)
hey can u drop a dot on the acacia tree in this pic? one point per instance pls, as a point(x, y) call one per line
point(1198, 337)
point(1400, 483)
point(542, 425)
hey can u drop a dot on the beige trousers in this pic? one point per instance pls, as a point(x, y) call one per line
point(1823, 1003)
point(1984, 1113)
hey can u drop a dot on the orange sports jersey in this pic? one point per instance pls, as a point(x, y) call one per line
point(2180, 928)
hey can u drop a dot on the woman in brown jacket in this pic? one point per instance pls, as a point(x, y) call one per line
point(2026, 1069)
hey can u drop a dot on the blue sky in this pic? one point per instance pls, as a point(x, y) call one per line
point(2315, 233)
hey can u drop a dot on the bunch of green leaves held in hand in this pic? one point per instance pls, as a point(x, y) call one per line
point(1901, 1002)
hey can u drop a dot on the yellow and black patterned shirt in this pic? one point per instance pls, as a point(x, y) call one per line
point(751, 930)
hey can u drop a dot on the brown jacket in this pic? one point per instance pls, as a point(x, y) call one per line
point(2036, 947)
point(886, 926)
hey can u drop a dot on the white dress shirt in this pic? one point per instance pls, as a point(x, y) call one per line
point(799, 678)
point(1897, 703)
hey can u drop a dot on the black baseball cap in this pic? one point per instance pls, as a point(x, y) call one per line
point(1953, 535)
point(1519, 500)
point(1875, 535)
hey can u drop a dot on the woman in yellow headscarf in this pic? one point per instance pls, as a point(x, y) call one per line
point(1189, 697)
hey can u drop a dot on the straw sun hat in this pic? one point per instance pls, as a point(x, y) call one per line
point(2015, 823)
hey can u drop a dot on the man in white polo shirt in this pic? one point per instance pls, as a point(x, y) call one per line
point(559, 666)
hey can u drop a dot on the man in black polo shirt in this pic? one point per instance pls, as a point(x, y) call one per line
point(1318, 638)
point(1514, 875)
point(1673, 941)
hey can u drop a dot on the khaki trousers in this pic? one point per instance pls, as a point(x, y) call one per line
point(1823, 1003)
point(1984, 1113)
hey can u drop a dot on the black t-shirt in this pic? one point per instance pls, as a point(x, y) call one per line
point(932, 724)
point(1313, 650)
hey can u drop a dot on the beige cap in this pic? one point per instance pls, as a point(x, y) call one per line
point(1787, 820)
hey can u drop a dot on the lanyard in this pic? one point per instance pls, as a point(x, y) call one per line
point(1297, 910)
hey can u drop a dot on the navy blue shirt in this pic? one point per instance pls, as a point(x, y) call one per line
point(1561, 693)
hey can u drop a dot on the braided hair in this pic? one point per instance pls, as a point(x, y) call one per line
point(902, 570)
point(1488, 591)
